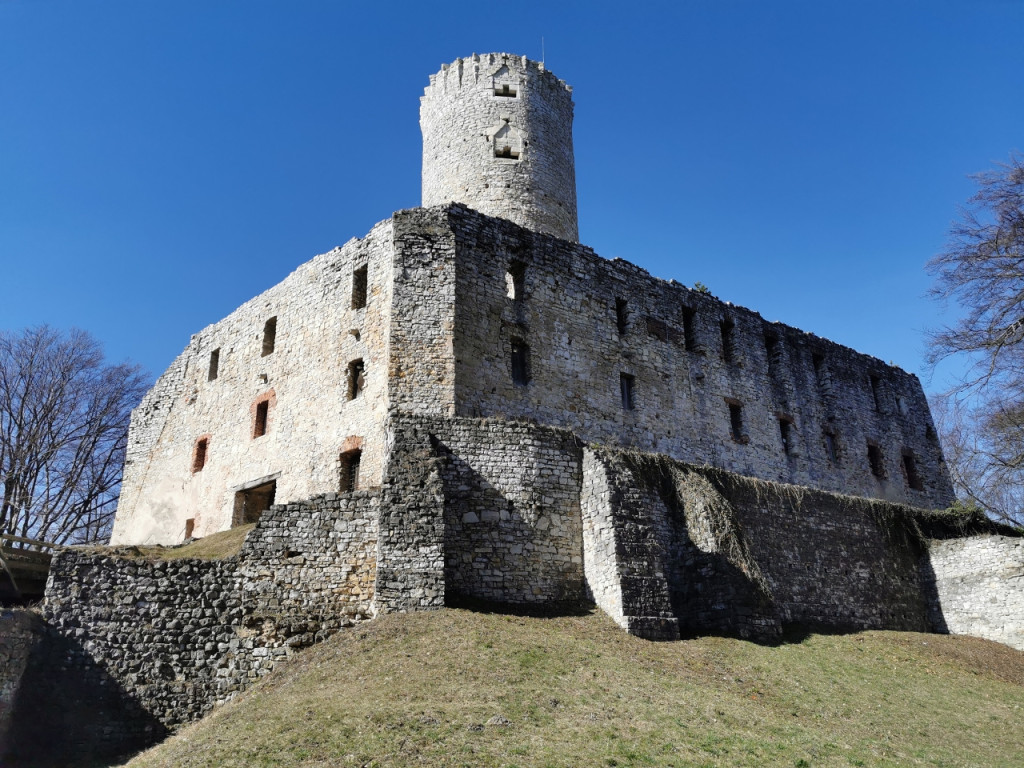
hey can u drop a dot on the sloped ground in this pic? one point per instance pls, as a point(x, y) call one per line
point(464, 688)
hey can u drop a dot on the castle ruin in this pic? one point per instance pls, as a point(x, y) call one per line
point(468, 403)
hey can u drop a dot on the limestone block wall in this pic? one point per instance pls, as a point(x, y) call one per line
point(977, 587)
point(497, 136)
point(19, 633)
point(286, 358)
point(513, 530)
point(708, 382)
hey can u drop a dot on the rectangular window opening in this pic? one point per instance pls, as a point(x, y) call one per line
point(269, 336)
point(875, 461)
point(626, 384)
point(728, 340)
point(253, 502)
point(259, 427)
point(350, 461)
point(515, 280)
point(736, 421)
point(190, 527)
point(356, 379)
point(832, 447)
point(876, 392)
point(214, 369)
point(910, 467)
point(520, 362)
point(507, 90)
point(621, 315)
point(771, 347)
point(199, 455)
point(689, 329)
point(786, 434)
point(359, 288)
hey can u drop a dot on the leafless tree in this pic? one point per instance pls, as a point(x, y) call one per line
point(982, 270)
point(64, 417)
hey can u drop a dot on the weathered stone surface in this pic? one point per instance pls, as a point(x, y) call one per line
point(978, 587)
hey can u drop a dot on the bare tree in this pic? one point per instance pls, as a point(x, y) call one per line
point(64, 417)
point(981, 419)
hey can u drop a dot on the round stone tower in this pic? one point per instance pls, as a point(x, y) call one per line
point(497, 136)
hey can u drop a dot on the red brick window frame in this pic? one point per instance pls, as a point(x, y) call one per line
point(200, 452)
point(260, 413)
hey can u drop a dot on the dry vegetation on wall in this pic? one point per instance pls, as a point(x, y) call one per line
point(458, 688)
point(216, 546)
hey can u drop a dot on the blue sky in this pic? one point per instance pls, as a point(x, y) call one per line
point(163, 162)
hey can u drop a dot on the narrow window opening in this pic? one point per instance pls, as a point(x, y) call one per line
point(875, 461)
point(626, 385)
point(876, 392)
point(786, 434)
point(259, 427)
point(214, 369)
point(507, 90)
point(910, 467)
point(621, 315)
point(832, 447)
point(349, 472)
point(356, 379)
point(736, 421)
point(689, 330)
point(359, 288)
point(269, 336)
point(520, 362)
point(199, 455)
point(821, 376)
point(190, 527)
point(728, 340)
point(515, 280)
point(772, 348)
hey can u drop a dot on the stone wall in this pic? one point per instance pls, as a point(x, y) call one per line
point(19, 633)
point(978, 587)
point(477, 107)
point(710, 382)
point(311, 416)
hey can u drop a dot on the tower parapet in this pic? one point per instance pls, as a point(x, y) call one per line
point(497, 136)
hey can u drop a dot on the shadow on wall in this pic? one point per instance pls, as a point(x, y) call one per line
point(74, 714)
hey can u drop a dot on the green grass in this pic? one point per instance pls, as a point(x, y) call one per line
point(431, 689)
point(216, 546)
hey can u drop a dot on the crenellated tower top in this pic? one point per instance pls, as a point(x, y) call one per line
point(497, 136)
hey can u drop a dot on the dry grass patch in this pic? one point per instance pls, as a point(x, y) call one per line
point(459, 688)
point(216, 546)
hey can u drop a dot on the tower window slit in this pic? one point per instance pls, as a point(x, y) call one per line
point(359, 288)
point(689, 330)
point(621, 315)
point(910, 467)
point(875, 461)
point(626, 386)
point(728, 340)
point(520, 362)
point(214, 369)
point(736, 421)
point(356, 379)
point(269, 336)
point(259, 427)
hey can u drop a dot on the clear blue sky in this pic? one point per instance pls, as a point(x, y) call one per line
point(162, 162)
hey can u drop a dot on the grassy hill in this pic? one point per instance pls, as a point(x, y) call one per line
point(464, 688)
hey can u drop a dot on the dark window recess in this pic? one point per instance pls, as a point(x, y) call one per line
point(736, 421)
point(520, 362)
point(199, 455)
point(689, 329)
point(875, 460)
point(349, 480)
point(626, 384)
point(910, 467)
point(269, 336)
point(214, 369)
point(356, 379)
point(772, 348)
point(515, 280)
point(660, 330)
point(876, 392)
point(786, 433)
point(728, 340)
point(832, 447)
point(190, 527)
point(505, 89)
point(621, 315)
point(259, 427)
point(821, 376)
point(359, 288)
point(251, 503)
